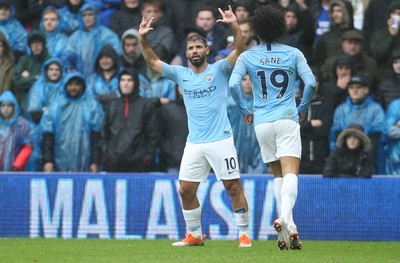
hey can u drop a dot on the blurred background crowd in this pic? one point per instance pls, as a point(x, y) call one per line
point(63, 107)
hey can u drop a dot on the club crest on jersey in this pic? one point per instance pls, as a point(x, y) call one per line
point(208, 78)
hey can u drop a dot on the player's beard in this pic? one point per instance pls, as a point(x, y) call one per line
point(199, 61)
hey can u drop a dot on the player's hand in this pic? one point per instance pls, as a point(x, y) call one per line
point(248, 119)
point(228, 16)
point(301, 117)
point(145, 26)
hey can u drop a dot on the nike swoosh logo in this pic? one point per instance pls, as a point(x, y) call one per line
point(185, 80)
point(231, 172)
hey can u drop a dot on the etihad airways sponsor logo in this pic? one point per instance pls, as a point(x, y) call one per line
point(200, 93)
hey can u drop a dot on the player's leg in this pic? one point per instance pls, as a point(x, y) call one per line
point(222, 157)
point(240, 210)
point(290, 168)
point(194, 169)
point(266, 134)
point(289, 153)
point(279, 225)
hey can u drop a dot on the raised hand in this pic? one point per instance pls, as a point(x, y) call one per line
point(145, 26)
point(228, 16)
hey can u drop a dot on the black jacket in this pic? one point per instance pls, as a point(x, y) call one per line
point(172, 123)
point(315, 141)
point(129, 133)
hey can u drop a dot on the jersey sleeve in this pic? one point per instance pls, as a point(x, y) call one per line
point(170, 72)
point(235, 85)
point(307, 76)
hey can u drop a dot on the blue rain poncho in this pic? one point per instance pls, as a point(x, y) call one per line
point(56, 41)
point(14, 134)
point(43, 93)
point(15, 33)
point(72, 121)
point(369, 115)
point(393, 138)
point(84, 46)
point(248, 150)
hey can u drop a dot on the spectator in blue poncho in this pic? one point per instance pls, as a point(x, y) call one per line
point(85, 43)
point(249, 153)
point(15, 135)
point(71, 129)
point(107, 9)
point(105, 78)
point(46, 89)
point(43, 93)
point(360, 108)
point(393, 134)
point(69, 15)
point(12, 29)
point(56, 41)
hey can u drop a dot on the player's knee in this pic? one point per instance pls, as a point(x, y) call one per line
point(186, 192)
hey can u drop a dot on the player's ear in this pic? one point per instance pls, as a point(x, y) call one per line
point(208, 49)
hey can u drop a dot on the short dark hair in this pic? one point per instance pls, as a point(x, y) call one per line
point(197, 38)
point(268, 23)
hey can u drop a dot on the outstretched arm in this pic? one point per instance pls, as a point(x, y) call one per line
point(147, 51)
point(229, 18)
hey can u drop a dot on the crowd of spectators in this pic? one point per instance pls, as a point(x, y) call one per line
point(61, 64)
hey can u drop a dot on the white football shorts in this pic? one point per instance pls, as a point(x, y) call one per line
point(278, 139)
point(199, 158)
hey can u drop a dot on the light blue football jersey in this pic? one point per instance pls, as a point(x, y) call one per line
point(273, 69)
point(205, 97)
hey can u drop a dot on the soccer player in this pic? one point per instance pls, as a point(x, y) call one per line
point(209, 143)
point(272, 68)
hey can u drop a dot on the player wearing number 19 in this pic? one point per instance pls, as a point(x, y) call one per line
point(209, 143)
point(273, 68)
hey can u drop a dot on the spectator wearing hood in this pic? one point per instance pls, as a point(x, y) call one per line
point(71, 129)
point(352, 157)
point(46, 89)
point(50, 24)
point(43, 93)
point(360, 108)
point(15, 135)
point(128, 17)
point(341, 20)
point(131, 56)
point(107, 9)
point(104, 80)
point(29, 66)
point(393, 138)
point(13, 30)
point(129, 135)
point(244, 136)
point(85, 43)
point(390, 87)
point(385, 40)
point(70, 15)
point(7, 65)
